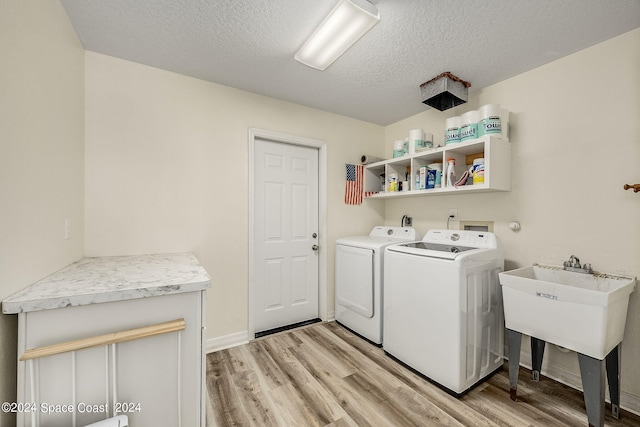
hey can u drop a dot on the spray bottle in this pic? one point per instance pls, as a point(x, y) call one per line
point(451, 172)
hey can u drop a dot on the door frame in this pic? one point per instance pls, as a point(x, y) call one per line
point(321, 146)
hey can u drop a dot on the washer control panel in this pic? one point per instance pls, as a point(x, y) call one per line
point(400, 233)
point(475, 239)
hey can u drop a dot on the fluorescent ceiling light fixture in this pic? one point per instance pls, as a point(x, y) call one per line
point(347, 22)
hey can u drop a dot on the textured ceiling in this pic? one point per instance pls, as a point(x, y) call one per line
point(250, 44)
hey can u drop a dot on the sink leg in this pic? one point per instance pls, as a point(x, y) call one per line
point(592, 372)
point(537, 351)
point(613, 377)
point(514, 341)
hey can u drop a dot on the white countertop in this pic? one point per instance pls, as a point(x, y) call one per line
point(114, 278)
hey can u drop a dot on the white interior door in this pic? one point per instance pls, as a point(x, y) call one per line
point(285, 262)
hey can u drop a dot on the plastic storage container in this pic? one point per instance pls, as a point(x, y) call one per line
point(478, 171)
point(438, 168)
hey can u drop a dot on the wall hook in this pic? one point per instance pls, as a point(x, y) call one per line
point(636, 187)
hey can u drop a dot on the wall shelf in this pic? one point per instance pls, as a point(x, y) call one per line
point(497, 163)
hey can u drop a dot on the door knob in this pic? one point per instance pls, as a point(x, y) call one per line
point(315, 247)
point(314, 235)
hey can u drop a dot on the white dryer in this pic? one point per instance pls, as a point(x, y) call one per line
point(359, 278)
point(443, 307)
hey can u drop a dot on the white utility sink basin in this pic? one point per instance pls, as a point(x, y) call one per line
point(582, 312)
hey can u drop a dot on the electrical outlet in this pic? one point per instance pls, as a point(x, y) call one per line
point(453, 214)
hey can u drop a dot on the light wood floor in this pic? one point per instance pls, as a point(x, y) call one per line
point(323, 375)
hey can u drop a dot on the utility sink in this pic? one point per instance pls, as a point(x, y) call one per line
point(582, 312)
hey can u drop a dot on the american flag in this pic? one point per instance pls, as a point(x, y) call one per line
point(354, 186)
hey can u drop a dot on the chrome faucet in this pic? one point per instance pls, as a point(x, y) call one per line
point(574, 265)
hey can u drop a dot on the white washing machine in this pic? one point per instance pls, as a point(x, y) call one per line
point(359, 278)
point(443, 307)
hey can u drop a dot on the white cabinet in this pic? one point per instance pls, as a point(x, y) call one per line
point(159, 379)
point(497, 161)
point(75, 365)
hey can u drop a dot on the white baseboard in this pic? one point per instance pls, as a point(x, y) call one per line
point(628, 401)
point(226, 341)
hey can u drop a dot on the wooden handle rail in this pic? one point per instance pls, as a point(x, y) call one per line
point(111, 338)
point(636, 187)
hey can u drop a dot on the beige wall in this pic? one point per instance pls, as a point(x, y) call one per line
point(167, 168)
point(575, 132)
point(41, 156)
